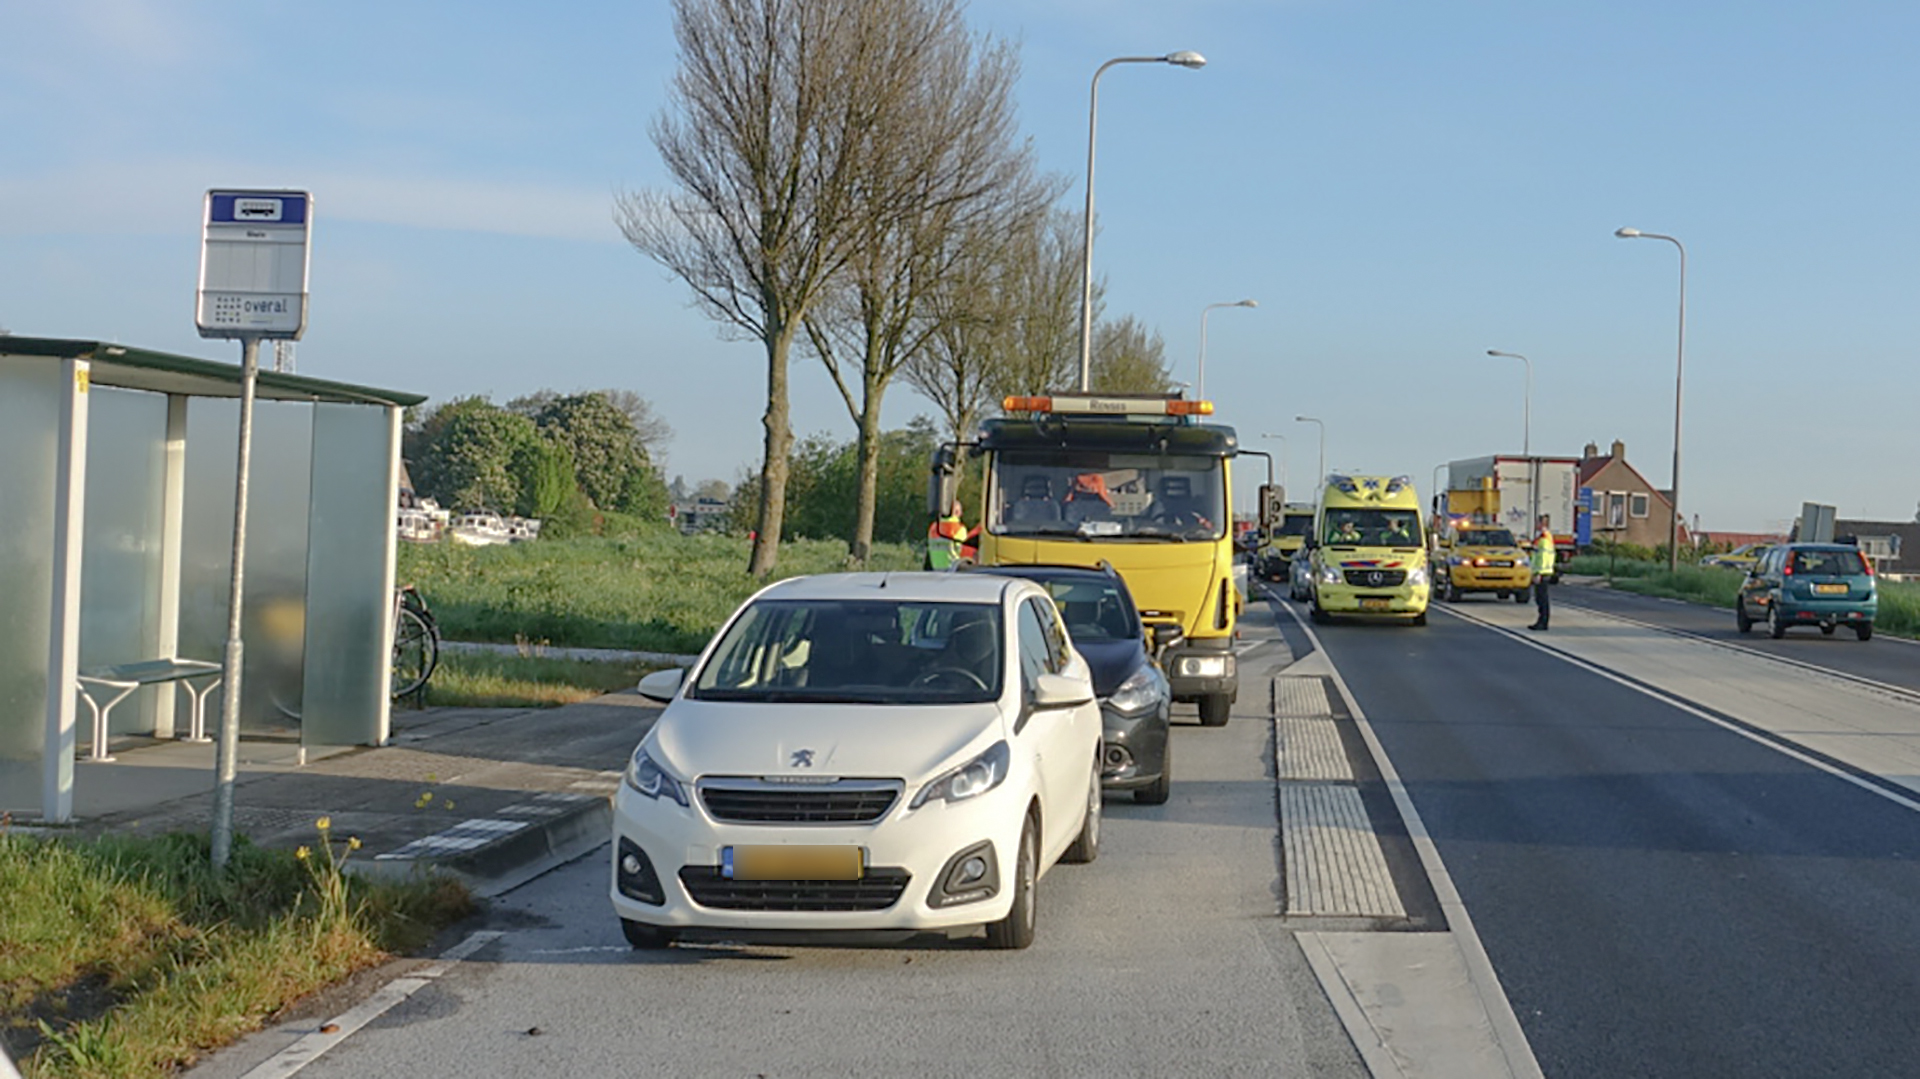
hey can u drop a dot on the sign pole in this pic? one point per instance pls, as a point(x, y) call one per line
point(229, 745)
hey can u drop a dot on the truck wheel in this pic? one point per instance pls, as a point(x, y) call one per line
point(1215, 710)
point(1524, 595)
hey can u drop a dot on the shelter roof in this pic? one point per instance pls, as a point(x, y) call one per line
point(125, 367)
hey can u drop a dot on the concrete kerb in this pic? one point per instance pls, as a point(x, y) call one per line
point(503, 864)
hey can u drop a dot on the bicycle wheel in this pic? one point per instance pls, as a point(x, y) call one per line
point(416, 652)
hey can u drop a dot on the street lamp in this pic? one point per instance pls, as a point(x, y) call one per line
point(1200, 381)
point(1323, 445)
point(1679, 372)
point(1282, 439)
point(1183, 58)
point(1526, 431)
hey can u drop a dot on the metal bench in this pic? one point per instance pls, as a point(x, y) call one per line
point(118, 681)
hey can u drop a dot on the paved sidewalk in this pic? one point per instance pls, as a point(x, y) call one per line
point(494, 795)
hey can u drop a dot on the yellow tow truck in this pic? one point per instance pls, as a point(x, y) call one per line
point(1137, 482)
point(1368, 554)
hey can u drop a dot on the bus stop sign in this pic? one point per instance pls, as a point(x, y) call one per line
point(253, 264)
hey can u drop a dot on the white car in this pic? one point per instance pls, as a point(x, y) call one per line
point(863, 752)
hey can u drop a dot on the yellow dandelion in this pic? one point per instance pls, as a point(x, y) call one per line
point(302, 853)
point(449, 803)
point(353, 843)
point(324, 823)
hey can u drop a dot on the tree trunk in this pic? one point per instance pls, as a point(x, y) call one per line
point(862, 546)
point(775, 460)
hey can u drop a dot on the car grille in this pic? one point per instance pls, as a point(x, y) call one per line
point(1376, 578)
point(879, 889)
point(758, 802)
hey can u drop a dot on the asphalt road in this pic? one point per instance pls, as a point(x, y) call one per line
point(1660, 895)
point(1163, 957)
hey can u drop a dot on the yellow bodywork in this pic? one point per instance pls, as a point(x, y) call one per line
point(1482, 567)
point(1190, 584)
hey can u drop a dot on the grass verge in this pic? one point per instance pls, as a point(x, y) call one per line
point(655, 593)
point(131, 956)
point(527, 680)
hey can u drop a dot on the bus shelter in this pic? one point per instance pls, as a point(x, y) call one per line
point(117, 469)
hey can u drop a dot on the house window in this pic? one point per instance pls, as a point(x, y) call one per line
point(1639, 505)
point(1616, 509)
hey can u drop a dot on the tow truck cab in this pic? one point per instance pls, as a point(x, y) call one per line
point(1368, 552)
point(1136, 482)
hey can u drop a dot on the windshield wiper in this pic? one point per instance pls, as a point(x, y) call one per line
point(1064, 533)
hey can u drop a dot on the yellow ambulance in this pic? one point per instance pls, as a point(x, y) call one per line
point(1368, 554)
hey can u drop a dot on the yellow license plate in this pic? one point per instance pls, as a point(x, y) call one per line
point(1376, 604)
point(793, 863)
point(1830, 589)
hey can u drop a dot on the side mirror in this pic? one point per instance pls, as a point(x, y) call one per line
point(1164, 635)
point(943, 484)
point(663, 686)
point(1059, 691)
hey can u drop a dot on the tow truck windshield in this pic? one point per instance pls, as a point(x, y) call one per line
point(1099, 495)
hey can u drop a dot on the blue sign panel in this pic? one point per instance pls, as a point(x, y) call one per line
point(1583, 518)
point(257, 207)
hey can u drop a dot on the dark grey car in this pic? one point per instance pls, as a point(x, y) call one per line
point(1136, 703)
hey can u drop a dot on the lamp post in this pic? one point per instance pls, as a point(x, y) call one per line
point(1200, 380)
point(1282, 439)
point(1526, 430)
point(1184, 58)
point(1322, 478)
point(1679, 373)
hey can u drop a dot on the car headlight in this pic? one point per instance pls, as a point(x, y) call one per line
point(1329, 574)
point(1203, 666)
point(1417, 575)
point(646, 777)
point(976, 777)
point(1143, 691)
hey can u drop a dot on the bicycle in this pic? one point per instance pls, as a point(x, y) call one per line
point(416, 643)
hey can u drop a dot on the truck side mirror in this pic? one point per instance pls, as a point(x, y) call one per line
point(1164, 635)
point(943, 484)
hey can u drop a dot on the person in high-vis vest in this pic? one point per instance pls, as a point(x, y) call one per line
point(1543, 555)
point(945, 539)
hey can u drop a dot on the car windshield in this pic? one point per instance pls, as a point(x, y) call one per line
point(1373, 528)
point(1095, 495)
point(1296, 524)
point(1486, 537)
point(1828, 563)
point(857, 652)
point(1094, 610)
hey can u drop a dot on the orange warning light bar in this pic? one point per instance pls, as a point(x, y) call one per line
point(1065, 404)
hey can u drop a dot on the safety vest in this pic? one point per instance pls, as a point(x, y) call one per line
point(943, 542)
point(1543, 554)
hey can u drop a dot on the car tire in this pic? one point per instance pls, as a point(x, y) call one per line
point(1740, 619)
point(1775, 627)
point(646, 937)
point(1215, 710)
point(1863, 630)
point(1420, 619)
point(1316, 613)
point(1525, 595)
point(1157, 792)
point(1086, 846)
point(1453, 594)
point(1015, 931)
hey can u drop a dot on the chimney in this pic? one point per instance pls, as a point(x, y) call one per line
point(1619, 450)
point(1593, 451)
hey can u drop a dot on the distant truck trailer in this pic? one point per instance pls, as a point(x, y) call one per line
point(1512, 491)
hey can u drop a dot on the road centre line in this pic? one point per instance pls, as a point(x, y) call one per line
point(331, 1033)
point(1492, 997)
point(1839, 769)
point(1734, 646)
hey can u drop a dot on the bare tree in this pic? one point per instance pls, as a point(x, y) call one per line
point(1043, 336)
point(764, 135)
point(1129, 358)
point(942, 163)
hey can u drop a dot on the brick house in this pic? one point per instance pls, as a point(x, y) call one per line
point(1626, 508)
point(1894, 545)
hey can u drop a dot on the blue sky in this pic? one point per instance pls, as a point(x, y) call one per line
point(1401, 185)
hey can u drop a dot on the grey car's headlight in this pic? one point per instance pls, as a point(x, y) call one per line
point(1329, 574)
point(1141, 692)
point(1417, 576)
point(976, 777)
point(646, 777)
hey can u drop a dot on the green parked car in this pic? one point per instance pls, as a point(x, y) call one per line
point(1809, 584)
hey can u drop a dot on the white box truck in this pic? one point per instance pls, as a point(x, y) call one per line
point(1511, 492)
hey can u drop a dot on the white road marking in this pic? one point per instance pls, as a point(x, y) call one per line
point(309, 1049)
point(1503, 1024)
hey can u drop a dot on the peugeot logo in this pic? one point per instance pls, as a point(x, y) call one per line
point(1375, 577)
point(802, 758)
